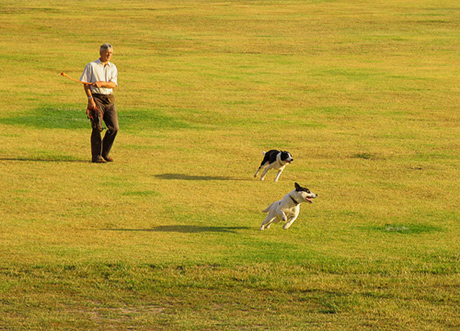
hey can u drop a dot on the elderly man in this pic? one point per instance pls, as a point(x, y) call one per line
point(101, 103)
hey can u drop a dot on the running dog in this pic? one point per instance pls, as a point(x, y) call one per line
point(288, 208)
point(274, 160)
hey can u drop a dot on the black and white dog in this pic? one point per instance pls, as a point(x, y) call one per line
point(274, 159)
point(288, 208)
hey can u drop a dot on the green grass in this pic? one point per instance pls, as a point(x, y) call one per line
point(363, 94)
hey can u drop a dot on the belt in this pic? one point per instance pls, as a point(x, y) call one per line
point(101, 95)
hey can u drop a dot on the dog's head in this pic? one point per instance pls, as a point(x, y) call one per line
point(304, 194)
point(286, 157)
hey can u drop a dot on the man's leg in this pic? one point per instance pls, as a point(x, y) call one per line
point(111, 120)
point(96, 140)
point(96, 146)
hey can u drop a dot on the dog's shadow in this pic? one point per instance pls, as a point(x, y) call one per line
point(188, 229)
point(193, 177)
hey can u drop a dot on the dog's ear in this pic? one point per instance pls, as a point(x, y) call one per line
point(297, 187)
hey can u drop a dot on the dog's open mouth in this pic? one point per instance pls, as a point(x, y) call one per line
point(309, 200)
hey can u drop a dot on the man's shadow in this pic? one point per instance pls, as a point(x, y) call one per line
point(30, 159)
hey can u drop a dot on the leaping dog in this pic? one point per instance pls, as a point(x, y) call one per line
point(274, 159)
point(288, 208)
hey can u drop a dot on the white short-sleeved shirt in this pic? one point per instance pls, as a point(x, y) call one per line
point(96, 71)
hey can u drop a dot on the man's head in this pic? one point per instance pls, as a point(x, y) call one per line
point(106, 52)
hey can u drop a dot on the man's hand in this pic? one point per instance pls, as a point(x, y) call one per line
point(99, 84)
point(91, 104)
point(94, 115)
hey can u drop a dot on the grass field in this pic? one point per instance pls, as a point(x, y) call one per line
point(364, 94)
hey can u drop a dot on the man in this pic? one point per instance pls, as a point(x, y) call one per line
point(103, 76)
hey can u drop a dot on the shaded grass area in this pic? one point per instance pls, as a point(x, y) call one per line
point(73, 118)
point(201, 296)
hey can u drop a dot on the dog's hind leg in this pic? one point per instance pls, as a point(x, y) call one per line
point(257, 172)
point(267, 222)
point(263, 164)
point(264, 173)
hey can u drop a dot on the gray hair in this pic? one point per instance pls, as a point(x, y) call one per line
point(105, 47)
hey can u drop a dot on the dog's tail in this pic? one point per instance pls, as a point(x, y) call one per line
point(264, 152)
point(267, 209)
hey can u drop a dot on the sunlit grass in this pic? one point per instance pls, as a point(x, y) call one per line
point(363, 95)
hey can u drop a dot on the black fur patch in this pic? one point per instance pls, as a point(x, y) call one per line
point(299, 188)
point(271, 155)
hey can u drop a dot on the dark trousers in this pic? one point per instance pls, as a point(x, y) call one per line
point(106, 105)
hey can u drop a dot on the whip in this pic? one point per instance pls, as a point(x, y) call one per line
point(75, 80)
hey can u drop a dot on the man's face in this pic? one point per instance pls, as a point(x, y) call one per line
point(106, 55)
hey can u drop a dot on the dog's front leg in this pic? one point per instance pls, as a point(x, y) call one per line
point(288, 224)
point(294, 217)
point(278, 175)
point(283, 215)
